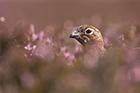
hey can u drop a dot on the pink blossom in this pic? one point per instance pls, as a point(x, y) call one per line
point(41, 35)
point(2, 19)
point(34, 37)
point(28, 47)
point(68, 55)
point(134, 74)
point(45, 49)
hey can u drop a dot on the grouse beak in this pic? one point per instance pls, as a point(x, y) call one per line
point(74, 34)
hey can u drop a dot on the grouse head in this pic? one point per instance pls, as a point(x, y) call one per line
point(88, 35)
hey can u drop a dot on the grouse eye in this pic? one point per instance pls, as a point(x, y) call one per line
point(88, 31)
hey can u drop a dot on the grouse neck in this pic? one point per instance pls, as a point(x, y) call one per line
point(98, 46)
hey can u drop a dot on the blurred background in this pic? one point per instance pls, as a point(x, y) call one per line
point(37, 56)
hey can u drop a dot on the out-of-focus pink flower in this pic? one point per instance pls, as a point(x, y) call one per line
point(68, 55)
point(30, 47)
point(2, 19)
point(34, 37)
point(41, 35)
point(134, 74)
point(49, 41)
point(45, 49)
point(107, 42)
point(39, 45)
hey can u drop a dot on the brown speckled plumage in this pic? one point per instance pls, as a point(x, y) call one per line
point(90, 37)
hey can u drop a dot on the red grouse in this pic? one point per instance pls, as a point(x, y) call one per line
point(89, 37)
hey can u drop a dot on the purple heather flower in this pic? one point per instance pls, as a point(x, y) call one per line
point(134, 74)
point(2, 19)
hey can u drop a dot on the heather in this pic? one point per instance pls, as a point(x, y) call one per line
point(37, 55)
